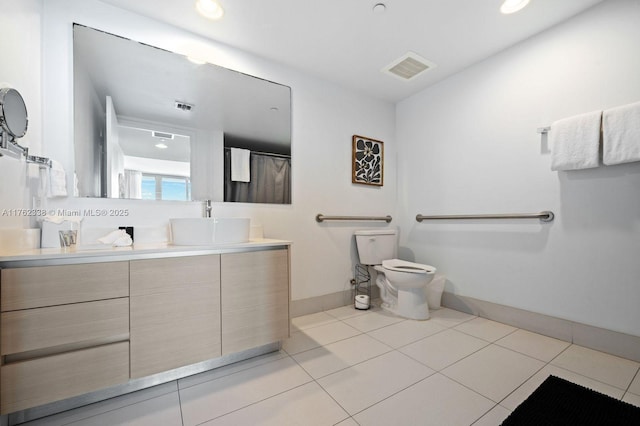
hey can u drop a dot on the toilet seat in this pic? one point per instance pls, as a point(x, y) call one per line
point(407, 267)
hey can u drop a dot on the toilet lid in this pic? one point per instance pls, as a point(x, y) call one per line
point(410, 267)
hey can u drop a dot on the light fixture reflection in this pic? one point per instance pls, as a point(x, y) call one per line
point(512, 6)
point(161, 146)
point(196, 60)
point(209, 9)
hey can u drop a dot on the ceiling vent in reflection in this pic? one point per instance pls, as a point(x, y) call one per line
point(184, 106)
point(408, 66)
point(162, 135)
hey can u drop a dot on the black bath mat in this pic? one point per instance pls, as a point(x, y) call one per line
point(562, 403)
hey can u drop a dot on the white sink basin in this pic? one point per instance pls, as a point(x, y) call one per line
point(199, 231)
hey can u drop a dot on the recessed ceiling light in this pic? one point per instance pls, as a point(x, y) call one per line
point(512, 6)
point(161, 146)
point(379, 8)
point(209, 9)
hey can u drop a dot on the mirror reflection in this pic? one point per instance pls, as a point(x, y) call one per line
point(152, 124)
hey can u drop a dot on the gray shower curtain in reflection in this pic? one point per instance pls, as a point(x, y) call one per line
point(270, 180)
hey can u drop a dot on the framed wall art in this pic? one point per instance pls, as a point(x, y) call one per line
point(367, 161)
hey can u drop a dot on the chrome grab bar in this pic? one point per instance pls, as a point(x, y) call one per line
point(545, 216)
point(321, 218)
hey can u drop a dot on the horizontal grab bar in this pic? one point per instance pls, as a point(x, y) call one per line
point(321, 218)
point(545, 216)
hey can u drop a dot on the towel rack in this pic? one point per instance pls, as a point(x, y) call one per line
point(544, 216)
point(547, 129)
point(321, 218)
point(42, 161)
point(16, 150)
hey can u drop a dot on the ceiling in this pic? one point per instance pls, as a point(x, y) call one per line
point(345, 42)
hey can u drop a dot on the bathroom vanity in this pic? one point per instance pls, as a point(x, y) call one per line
point(101, 323)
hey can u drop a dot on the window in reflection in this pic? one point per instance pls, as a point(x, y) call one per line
point(162, 187)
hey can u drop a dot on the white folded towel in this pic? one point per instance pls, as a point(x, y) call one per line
point(57, 180)
point(240, 169)
point(621, 134)
point(75, 220)
point(117, 238)
point(575, 142)
point(76, 191)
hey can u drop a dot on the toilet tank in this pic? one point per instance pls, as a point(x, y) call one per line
point(376, 245)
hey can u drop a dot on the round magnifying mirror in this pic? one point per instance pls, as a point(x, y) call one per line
point(13, 113)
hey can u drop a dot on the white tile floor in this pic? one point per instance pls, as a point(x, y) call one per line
point(346, 367)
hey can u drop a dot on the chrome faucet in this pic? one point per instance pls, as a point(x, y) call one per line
point(208, 208)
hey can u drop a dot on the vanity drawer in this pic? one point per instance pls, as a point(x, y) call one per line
point(56, 326)
point(39, 381)
point(34, 287)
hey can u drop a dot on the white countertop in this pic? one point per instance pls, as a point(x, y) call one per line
point(136, 251)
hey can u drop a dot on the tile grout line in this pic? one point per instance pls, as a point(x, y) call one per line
point(462, 384)
point(345, 368)
point(395, 393)
point(630, 383)
point(430, 375)
point(549, 363)
point(321, 346)
point(390, 351)
point(126, 405)
point(298, 329)
point(407, 344)
point(334, 319)
point(180, 404)
point(255, 402)
point(325, 391)
point(528, 378)
point(401, 353)
point(231, 373)
point(490, 341)
point(448, 365)
point(486, 412)
point(591, 378)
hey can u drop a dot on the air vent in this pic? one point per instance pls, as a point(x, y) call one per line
point(408, 66)
point(184, 106)
point(162, 135)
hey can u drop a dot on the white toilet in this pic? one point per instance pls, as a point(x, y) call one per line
point(402, 284)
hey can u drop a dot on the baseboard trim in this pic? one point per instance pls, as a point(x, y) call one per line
point(325, 302)
point(601, 339)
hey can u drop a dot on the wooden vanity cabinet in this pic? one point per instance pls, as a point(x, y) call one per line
point(255, 299)
point(64, 332)
point(175, 313)
point(67, 330)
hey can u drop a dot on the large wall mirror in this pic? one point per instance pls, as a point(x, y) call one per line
point(153, 124)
